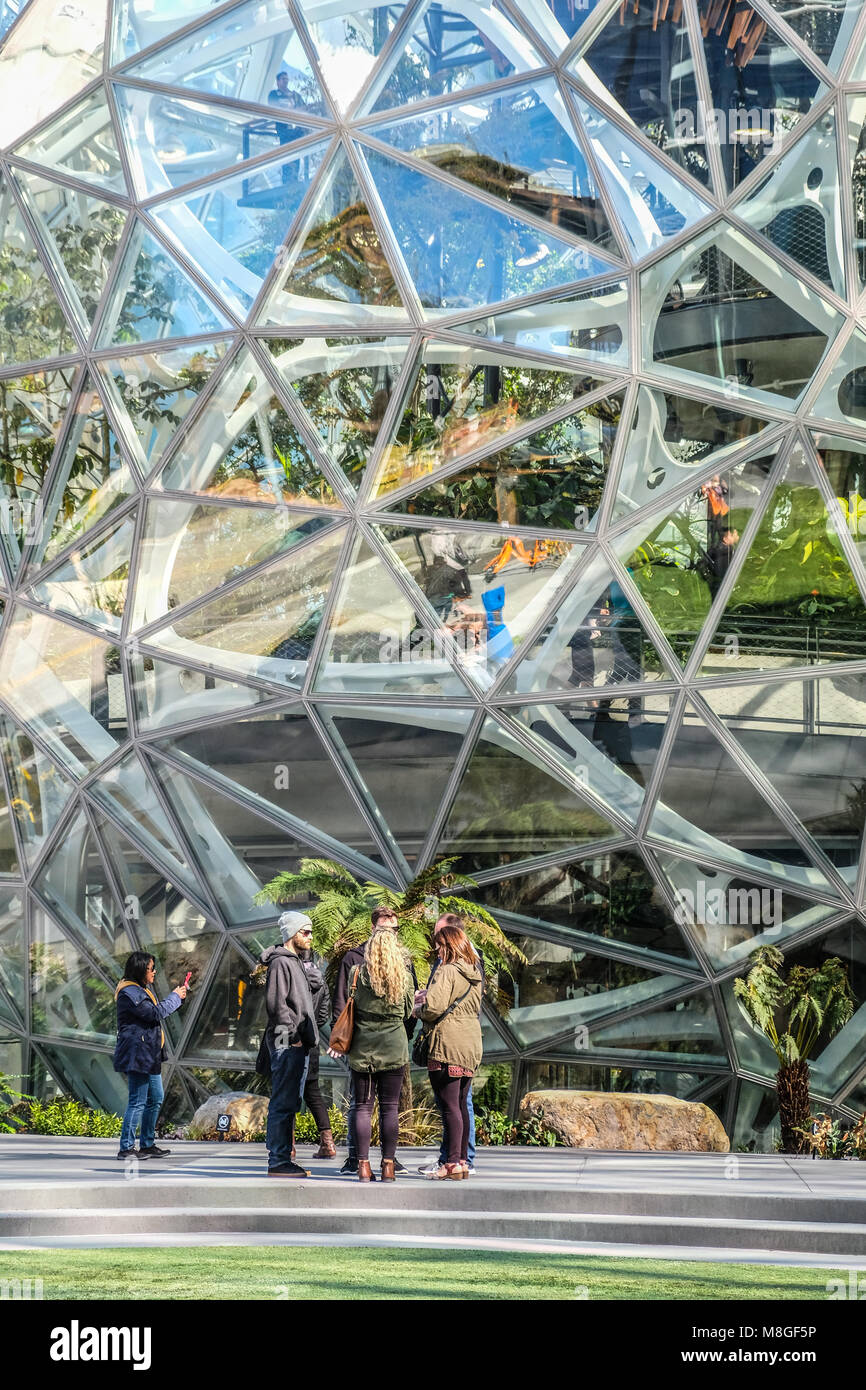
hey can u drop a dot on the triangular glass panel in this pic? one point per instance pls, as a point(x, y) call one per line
point(378, 641)
point(844, 462)
point(154, 298)
point(853, 163)
point(41, 331)
point(838, 1056)
point(737, 290)
point(344, 386)
point(592, 325)
point(337, 270)
point(167, 693)
point(806, 737)
point(555, 478)
point(190, 548)
point(39, 789)
point(246, 446)
point(519, 144)
point(13, 947)
point(795, 601)
point(155, 391)
point(452, 48)
point(232, 1017)
point(139, 23)
point(348, 45)
point(731, 914)
point(708, 805)
point(674, 437)
point(642, 62)
point(646, 194)
point(486, 601)
point(236, 55)
point(464, 254)
point(679, 557)
point(91, 584)
point(757, 82)
point(66, 687)
point(233, 230)
point(42, 74)
point(68, 999)
point(608, 743)
point(684, 1030)
point(8, 849)
point(241, 756)
point(80, 142)
point(843, 395)
point(32, 411)
point(825, 26)
point(611, 895)
point(9, 12)
point(510, 806)
point(386, 747)
point(74, 886)
point(172, 140)
point(92, 477)
point(806, 225)
point(595, 638)
point(460, 399)
point(264, 628)
point(88, 1074)
point(556, 21)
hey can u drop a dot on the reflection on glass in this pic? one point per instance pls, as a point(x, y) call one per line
point(92, 583)
point(756, 1129)
point(463, 400)
point(509, 806)
point(348, 45)
point(378, 642)
point(844, 462)
point(247, 447)
point(68, 998)
point(264, 628)
point(172, 141)
point(75, 886)
point(452, 48)
point(642, 62)
point(42, 331)
point(757, 82)
point(156, 390)
point(80, 142)
point(233, 1018)
point(139, 23)
point(561, 1075)
point(89, 1075)
point(679, 1031)
point(463, 254)
point(678, 560)
point(725, 311)
point(795, 601)
point(167, 693)
point(8, 851)
point(32, 411)
point(84, 234)
point(844, 390)
point(39, 76)
point(126, 793)
point(610, 895)
point(824, 25)
point(673, 437)
point(518, 144)
point(66, 686)
point(154, 298)
point(12, 952)
point(345, 385)
point(593, 325)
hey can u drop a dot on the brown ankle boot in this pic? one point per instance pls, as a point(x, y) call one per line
point(387, 1174)
point(327, 1148)
point(365, 1173)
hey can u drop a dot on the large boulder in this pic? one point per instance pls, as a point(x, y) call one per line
point(249, 1115)
point(626, 1120)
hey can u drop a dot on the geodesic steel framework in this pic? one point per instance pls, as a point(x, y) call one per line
point(435, 430)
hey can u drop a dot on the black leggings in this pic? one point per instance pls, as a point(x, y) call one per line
point(452, 1093)
point(387, 1085)
point(313, 1096)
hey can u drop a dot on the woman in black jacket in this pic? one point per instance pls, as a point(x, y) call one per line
point(140, 1051)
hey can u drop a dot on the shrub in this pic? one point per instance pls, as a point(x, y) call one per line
point(13, 1106)
point(66, 1116)
point(494, 1127)
point(306, 1131)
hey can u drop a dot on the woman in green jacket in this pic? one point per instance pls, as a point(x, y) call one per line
point(450, 1007)
point(384, 1000)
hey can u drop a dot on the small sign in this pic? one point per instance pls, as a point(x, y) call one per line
point(224, 1123)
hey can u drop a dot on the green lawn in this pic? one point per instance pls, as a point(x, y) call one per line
point(324, 1272)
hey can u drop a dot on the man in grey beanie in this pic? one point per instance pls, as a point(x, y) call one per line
point(290, 1037)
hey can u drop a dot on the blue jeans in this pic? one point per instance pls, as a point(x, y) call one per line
point(443, 1157)
point(145, 1098)
point(288, 1075)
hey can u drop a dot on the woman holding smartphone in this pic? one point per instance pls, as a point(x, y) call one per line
point(140, 1051)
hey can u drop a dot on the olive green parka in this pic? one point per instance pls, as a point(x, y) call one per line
point(456, 1041)
point(379, 1041)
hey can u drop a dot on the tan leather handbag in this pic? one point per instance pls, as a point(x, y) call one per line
point(344, 1025)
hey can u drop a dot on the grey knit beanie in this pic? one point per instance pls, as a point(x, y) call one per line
point(291, 923)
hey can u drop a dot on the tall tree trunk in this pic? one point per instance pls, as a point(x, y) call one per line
point(792, 1088)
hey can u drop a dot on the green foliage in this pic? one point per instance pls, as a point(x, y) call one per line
point(828, 1138)
point(493, 1127)
point(794, 1012)
point(306, 1131)
point(493, 1094)
point(12, 1103)
point(67, 1116)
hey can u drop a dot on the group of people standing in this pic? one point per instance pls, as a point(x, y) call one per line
point(387, 1007)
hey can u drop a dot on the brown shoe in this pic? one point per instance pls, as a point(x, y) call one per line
point(387, 1172)
point(327, 1148)
point(365, 1173)
point(446, 1170)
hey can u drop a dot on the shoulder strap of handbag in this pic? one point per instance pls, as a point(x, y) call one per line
point(435, 1021)
point(354, 981)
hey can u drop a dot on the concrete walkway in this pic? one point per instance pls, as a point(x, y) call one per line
point(734, 1207)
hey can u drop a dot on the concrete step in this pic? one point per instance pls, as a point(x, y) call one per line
point(457, 1221)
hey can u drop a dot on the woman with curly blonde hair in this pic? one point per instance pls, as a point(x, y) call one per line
point(384, 995)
